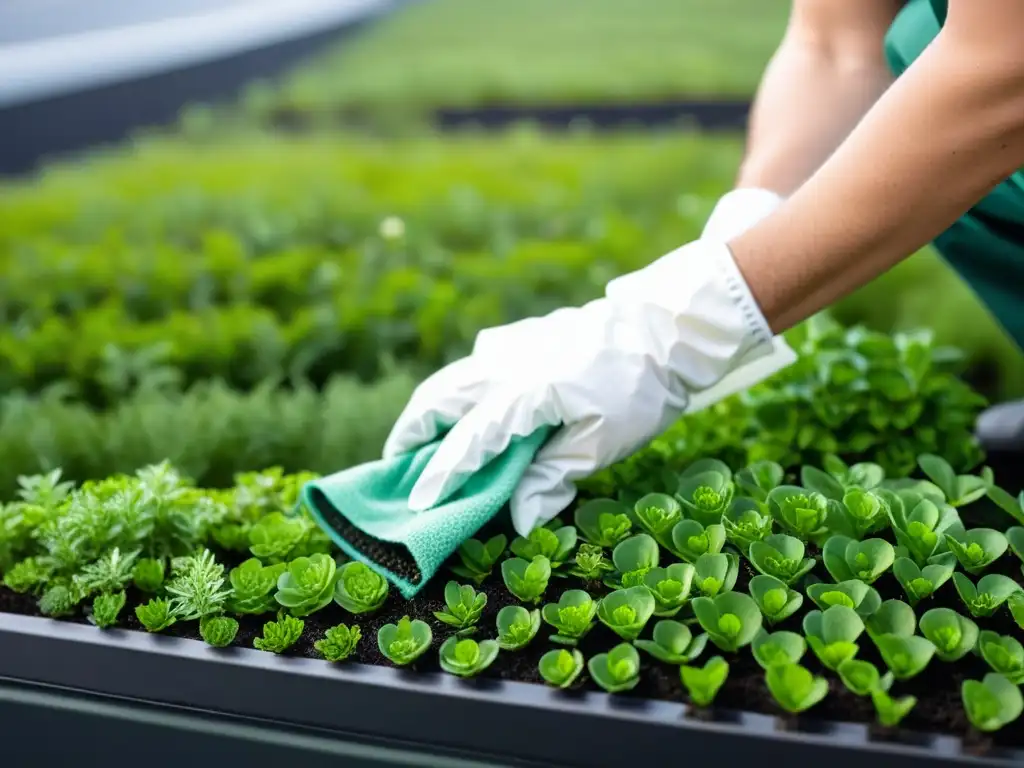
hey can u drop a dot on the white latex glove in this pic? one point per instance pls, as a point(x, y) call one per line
point(614, 374)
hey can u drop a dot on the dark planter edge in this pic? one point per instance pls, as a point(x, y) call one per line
point(723, 114)
point(503, 719)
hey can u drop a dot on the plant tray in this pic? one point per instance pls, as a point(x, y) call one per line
point(497, 722)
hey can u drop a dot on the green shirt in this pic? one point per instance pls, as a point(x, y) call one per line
point(986, 246)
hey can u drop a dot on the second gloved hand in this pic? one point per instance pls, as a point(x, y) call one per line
point(612, 374)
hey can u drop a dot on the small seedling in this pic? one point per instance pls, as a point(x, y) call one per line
point(704, 683)
point(626, 611)
point(517, 626)
point(617, 670)
point(992, 702)
point(832, 634)
point(339, 642)
point(603, 522)
point(572, 616)
point(847, 559)
point(673, 643)
point(106, 607)
point(732, 619)
point(794, 688)
point(781, 557)
point(359, 589)
point(561, 668)
point(404, 642)
point(776, 601)
point(156, 615)
point(466, 657)
point(252, 587)
point(307, 585)
point(777, 648)
point(953, 635)
point(464, 606)
point(852, 593)
point(527, 580)
point(218, 631)
point(670, 587)
point(279, 636)
point(478, 558)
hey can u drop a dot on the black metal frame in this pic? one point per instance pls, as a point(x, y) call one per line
point(499, 722)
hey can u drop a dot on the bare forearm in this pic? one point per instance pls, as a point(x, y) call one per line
point(809, 100)
point(942, 137)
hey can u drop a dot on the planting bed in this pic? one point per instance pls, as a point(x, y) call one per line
point(68, 536)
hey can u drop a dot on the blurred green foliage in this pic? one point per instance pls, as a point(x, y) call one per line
point(458, 53)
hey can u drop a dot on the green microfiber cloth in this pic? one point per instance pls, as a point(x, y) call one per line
point(365, 511)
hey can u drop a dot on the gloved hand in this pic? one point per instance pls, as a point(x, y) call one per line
point(614, 374)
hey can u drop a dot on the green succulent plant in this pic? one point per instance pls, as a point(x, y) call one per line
point(731, 619)
point(953, 635)
point(853, 593)
point(670, 587)
point(801, 513)
point(617, 670)
point(782, 557)
point(774, 598)
point(465, 657)
point(847, 559)
point(463, 607)
point(517, 627)
point(658, 514)
point(359, 589)
point(633, 558)
point(626, 611)
point(706, 491)
point(218, 631)
point(921, 583)
point(689, 540)
point(561, 668)
point(556, 545)
point(794, 688)
point(673, 643)
point(745, 522)
point(603, 522)
point(862, 677)
point(339, 642)
point(404, 642)
point(716, 574)
point(703, 683)
point(590, 563)
point(526, 580)
point(477, 558)
point(778, 648)
point(977, 548)
point(991, 702)
point(278, 636)
point(1004, 654)
point(572, 616)
point(833, 633)
point(988, 595)
point(307, 585)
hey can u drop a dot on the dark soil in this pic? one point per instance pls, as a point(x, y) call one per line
point(939, 709)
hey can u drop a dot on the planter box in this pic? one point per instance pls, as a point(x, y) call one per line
point(157, 696)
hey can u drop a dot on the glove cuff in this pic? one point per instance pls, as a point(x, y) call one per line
point(699, 312)
point(738, 211)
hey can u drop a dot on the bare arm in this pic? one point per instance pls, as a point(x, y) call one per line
point(941, 138)
point(828, 71)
